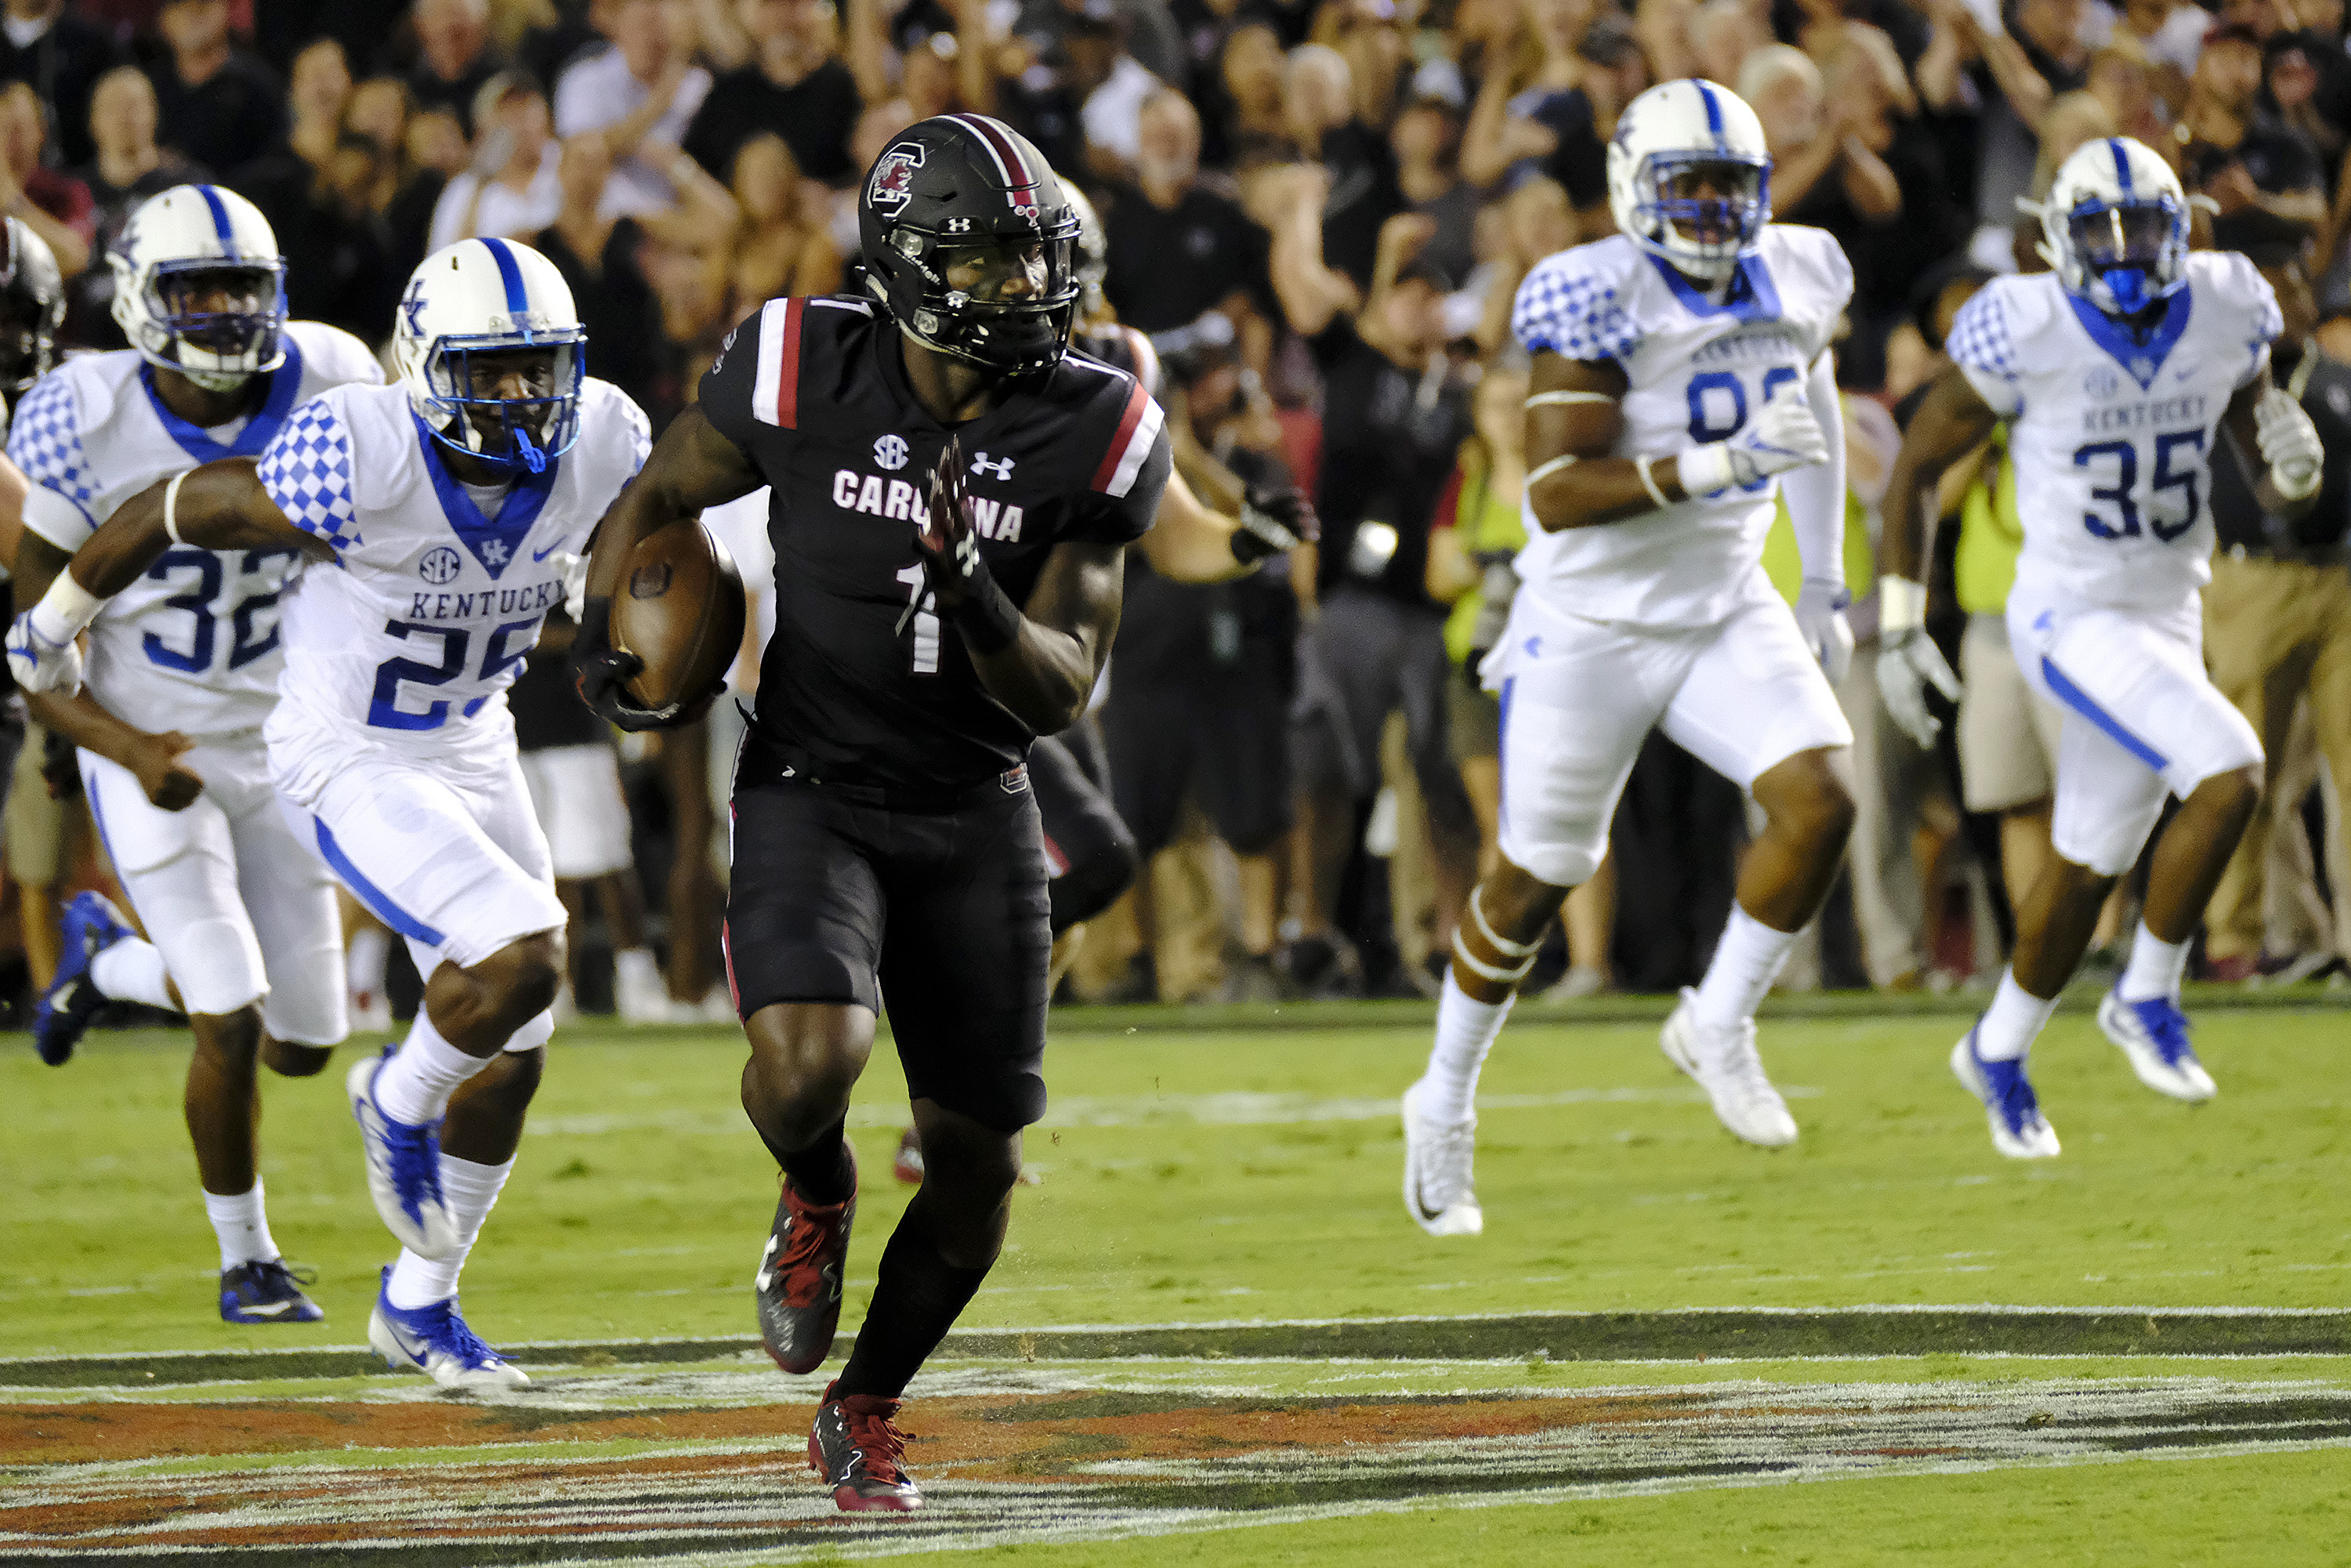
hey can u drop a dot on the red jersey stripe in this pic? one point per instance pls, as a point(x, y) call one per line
point(1137, 400)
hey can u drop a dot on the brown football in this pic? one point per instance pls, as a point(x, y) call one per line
point(681, 610)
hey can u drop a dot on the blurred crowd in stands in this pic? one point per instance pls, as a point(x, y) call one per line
point(1319, 211)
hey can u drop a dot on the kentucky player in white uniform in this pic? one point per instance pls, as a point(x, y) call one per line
point(1679, 366)
point(183, 670)
point(2116, 374)
point(436, 518)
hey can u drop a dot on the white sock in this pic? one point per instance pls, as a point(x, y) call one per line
point(1466, 1028)
point(1746, 962)
point(414, 1086)
point(2008, 1028)
point(472, 1191)
point(370, 951)
point(133, 971)
point(242, 1226)
point(2155, 969)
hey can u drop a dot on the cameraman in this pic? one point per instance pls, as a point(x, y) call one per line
point(1394, 413)
point(1201, 688)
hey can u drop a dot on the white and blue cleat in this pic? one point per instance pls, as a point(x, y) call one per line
point(403, 1168)
point(2154, 1035)
point(90, 926)
point(2019, 1130)
point(433, 1340)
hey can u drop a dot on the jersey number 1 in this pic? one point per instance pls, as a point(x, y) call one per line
point(926, 622)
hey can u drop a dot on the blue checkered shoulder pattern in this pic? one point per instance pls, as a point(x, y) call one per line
point(1980, 339)
point(1578, 314)
point(46, 443)
point(307, 472)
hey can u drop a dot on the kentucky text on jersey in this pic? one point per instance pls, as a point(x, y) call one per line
point(2171, 411)
point(529, 600)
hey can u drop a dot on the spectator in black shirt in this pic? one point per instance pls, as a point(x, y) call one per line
point(2277, 614)
point(598, 258)
point(278, 180)
point(127, 169)
point(1394, 417)
point(1318, 94)
point(2228, 152)
point(1176, 248)
point(63, 60)
point(218, 104)
point(1426, 139)
point(454, 57)
point(795, 86)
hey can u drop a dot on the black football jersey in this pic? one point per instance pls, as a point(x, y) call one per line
point(854, 689)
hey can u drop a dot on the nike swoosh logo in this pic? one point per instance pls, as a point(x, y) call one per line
point(1420, 1204)
point(266, 1309)
point(539, 555)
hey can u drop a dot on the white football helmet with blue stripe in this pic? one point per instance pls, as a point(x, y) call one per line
point(1690, 178)
point(200, 288)
point(473, 301)
point(2115, 226)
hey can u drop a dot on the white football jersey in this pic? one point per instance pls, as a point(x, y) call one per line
point(409, 641)
point(1697, 371)
point(192, 646)
point(2113, 440)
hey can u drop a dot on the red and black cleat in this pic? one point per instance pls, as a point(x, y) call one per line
point(857, 1447)
point(798, 1283)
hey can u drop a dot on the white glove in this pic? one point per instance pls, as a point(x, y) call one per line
point(2289, 443)
point(1783, 436)
point(1907, 660)
point(42, 654)
point(1820, 616)
point(40, 664)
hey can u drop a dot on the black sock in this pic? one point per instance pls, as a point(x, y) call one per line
point(821, 1173)
point(916, 1300)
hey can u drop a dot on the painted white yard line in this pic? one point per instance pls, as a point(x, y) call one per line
point(1230, 1110)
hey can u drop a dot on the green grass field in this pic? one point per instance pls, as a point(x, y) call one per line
point(1231, 1175)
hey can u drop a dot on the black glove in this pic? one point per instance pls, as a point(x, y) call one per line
point(1273, 521)
point(948, 546)
point(601, 673)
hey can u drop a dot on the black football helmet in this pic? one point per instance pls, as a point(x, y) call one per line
point(966, 194)
point(32, 308)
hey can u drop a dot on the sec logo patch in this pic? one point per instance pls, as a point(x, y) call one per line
point(890, 454)
point(440, 565)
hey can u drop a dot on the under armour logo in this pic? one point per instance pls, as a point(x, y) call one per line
point(1001, 469)
point(412, 305)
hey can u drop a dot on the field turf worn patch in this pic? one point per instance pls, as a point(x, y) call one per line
point(688, 1474)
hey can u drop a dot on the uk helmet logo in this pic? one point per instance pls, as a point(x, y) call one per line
point(892, 184)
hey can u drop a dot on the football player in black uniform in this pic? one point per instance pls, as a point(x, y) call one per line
point(953, 498)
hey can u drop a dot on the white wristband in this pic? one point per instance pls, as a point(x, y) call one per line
point(2297, 492)
point(1705, 469)
point(65, 609)
point(1901, 604)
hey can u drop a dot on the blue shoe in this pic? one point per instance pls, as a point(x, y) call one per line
point(266, 1293)
point(2154, 1035)
point(435, 1341)
point(2018, 1128)
point(88, 926)
point(403, 1167)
